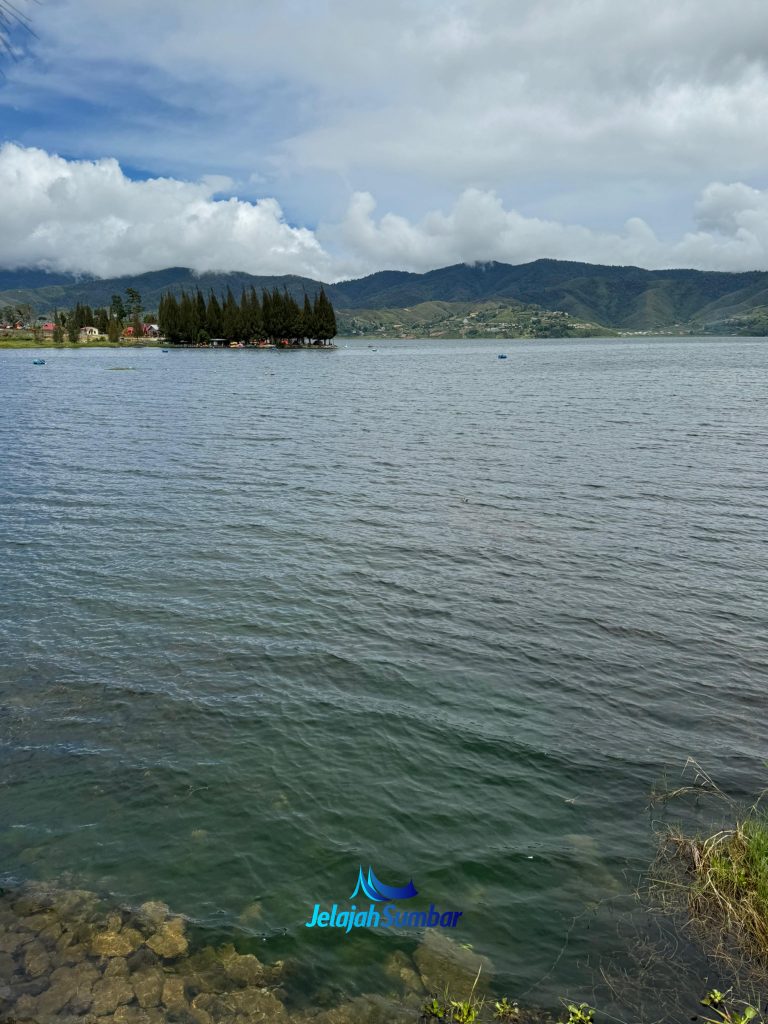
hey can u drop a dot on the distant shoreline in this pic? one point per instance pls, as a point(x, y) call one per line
point(29, 343)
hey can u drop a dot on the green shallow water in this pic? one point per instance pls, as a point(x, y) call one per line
point(268, 616)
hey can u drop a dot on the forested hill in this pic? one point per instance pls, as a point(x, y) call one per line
point(624, 298)
point(619, 297)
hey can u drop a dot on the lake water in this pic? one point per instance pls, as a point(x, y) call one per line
point(269, 616)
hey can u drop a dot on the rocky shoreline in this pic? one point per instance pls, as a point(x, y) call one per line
point(68, 956)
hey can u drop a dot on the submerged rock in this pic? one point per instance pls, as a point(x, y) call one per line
point(114, 942)
point(13, 941)
point(174, 995)
point(78, 983)
point(8, 967)
point(246, 1006)
point(401, 968)
point(143, 957)
point(36, 960)
point(169, 940)
point(367, 1010)
point(76, 904)
point(242, 969)
point(50, 1002)
point(205, 971)
point(148, 986)
point(38, 922)
point(154, 912)
point(135, 1015)
point(109, 993)
point(445, 965)
point(117, 968)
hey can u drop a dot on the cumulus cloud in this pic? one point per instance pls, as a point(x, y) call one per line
point(89, 217)
point(409, 99)
point(732, 222)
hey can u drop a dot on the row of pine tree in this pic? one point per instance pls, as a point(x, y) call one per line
point(276, 317)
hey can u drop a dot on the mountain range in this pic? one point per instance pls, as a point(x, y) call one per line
point(615, 298)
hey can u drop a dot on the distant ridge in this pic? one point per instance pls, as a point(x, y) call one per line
point(620, 298)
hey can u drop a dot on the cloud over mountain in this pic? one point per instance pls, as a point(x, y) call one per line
point(89, 217)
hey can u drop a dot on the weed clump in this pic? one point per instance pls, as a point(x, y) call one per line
point(727, 891)
point(720, 882)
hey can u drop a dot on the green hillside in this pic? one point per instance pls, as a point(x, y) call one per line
point(623, 299)
point(465, 320)
point(152, 286)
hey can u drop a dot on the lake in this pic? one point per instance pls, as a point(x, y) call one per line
point(270, 616)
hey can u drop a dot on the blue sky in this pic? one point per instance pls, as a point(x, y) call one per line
point(334, 138)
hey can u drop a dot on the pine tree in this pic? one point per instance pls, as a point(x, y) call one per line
point(293, 318)
point(113, 330)
point(101, 320)
point(231, 318)
point(257, 320)
point(325, 318)
point(279, 328)
point(266, 316)
point(117, 309)
point(250, 316)
point(73, 328)
point(201, 316)
point(168, 318)
point(188, 326)
point(307, 320)
point(213, 319)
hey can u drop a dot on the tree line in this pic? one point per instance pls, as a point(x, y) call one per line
point(276, 317)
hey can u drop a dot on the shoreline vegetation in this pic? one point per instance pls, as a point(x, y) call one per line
point(717, 880)
point(274, 321)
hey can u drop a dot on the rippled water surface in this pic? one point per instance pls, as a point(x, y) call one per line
point(267, 616)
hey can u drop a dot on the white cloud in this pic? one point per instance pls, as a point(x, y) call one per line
point(732, 235)
point(88, 217)
point(412, 98)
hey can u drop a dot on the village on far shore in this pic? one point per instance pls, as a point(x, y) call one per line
point(275, 320)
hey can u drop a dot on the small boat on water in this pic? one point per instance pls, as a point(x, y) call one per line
point(502, 355)
point(38, 362)
point(166, 350)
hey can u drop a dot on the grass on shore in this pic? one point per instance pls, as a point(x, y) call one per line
point(720, 881)
point(728, 887)
point(31, 342)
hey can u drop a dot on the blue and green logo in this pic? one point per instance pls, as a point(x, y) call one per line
point(389, 916)
point(375, 890)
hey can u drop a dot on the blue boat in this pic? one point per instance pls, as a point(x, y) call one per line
point(38, 362)
point(502, 355)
